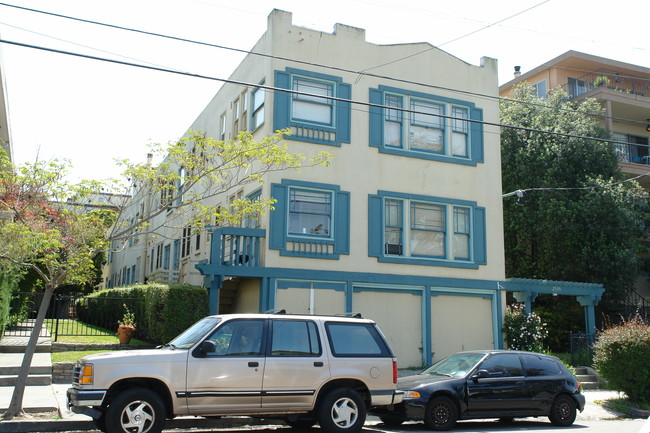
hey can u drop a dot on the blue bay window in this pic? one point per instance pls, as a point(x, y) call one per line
point(310, 111)
point(310, 220)
point(416, 229)
point(425, 126)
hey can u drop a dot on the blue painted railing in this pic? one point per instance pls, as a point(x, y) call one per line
point(236, 246)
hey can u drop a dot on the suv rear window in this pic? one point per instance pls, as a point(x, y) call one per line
point(355, 339)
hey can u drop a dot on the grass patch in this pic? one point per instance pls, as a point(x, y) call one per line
point(73, 355)
point(88, 334)
point(625, 405)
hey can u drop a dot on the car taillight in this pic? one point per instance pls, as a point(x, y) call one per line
point(579, 385)
point(394, 371)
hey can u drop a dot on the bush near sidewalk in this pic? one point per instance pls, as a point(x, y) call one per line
point(168, 309)
point(621, 355)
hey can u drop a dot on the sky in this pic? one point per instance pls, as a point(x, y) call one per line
point(91, 112)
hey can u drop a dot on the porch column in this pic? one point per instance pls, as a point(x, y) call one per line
point(588, 302)
point(527, 297)
point(215, 284)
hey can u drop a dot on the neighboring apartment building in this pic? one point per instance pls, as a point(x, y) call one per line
point(404, 227)
point(5, 132)
point(624, 92)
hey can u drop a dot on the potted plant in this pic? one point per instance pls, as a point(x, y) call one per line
point(601, 81)
point(126, 326)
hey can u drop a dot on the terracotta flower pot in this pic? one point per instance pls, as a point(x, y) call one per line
point(124, 333)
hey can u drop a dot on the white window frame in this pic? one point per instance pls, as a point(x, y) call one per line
point(311, 85)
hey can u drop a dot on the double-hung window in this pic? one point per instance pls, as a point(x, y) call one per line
point(315, 107)
point(426, 230)
point(310, 220)
point(257, 110)
point(311, 103)
point(419, 125)
point(310, 212)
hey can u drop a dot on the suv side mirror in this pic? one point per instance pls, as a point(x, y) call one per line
point(206, 347)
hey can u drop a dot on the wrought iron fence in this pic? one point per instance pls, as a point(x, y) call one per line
point(73, 315)
point(582, 348)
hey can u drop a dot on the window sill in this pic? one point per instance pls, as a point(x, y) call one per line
point(423, 261)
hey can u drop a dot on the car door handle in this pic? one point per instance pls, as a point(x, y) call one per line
point(318, 364)
point(253, 364)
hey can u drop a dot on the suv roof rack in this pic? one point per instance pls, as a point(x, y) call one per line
point(276, 311)
point(352, 315)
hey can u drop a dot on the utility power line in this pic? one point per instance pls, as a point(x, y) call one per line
point(296, 92)
point(320, 65)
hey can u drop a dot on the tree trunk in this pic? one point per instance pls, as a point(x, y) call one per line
point(16, 405)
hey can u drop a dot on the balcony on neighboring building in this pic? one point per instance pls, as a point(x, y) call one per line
point(237, 246)
point(608, 80)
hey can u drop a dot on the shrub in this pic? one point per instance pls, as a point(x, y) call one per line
point(523, 331)
point(621, 356)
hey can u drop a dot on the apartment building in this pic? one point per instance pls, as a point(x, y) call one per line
point(622, 89)
point(404, 226)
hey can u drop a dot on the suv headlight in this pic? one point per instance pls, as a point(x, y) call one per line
point(86, 374)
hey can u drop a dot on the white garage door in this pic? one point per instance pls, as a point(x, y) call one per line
point(460, 323)
point(297, 300)
point(399, 315)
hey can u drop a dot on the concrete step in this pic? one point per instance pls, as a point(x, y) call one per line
point(32, 379)
point(590, 385)
point(4, 370)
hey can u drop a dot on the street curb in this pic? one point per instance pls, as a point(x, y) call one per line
point(31, 426)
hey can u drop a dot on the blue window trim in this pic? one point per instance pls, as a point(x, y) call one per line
point(377, 118)
point(279, 237)
point(318, 133)
point(376, 218)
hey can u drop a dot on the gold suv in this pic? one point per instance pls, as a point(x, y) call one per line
point(303, 369)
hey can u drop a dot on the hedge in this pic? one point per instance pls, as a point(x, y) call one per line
point(621, 355)
point(161, 311)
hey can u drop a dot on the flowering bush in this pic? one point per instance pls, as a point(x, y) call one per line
point(621, 356)
point(524, 331)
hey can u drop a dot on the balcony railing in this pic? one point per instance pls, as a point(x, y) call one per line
point(236, 246)
point(164, 276)
point(608, 79)
point(629, 152)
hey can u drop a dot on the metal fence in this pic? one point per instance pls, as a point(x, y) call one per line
point(72, 315)
point(582, 348)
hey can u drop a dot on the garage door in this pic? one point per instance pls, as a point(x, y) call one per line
point(299, 300)
point(399, 316)
point(460, 323)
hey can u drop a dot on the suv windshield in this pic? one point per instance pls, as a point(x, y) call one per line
point(194, 333)
point(457, 365)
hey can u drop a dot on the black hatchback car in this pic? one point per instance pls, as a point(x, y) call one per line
point(501, 384)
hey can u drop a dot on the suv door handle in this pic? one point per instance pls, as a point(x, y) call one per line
point(253, 364)
point(318, 363)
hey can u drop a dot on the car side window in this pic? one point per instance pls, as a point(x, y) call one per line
point(294, 338)
point(355, 339)
point(238, 338)
point(503, 365)
point(541, 366)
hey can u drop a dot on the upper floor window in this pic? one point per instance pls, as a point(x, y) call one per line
point(426, 230)
point(310, 212)
point(311, 104)
point(316, 110)
point(222, 127)
point(425, 126)
point(540, 89)
point(310, 220)
point(257, 110)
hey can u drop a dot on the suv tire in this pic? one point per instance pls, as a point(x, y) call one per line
point(136, 410)
point(342, 410)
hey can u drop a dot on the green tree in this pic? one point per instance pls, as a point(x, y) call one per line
point(41, 232)
point(575, 219)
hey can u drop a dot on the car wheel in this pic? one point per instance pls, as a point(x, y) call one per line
point(441, 413)
point(392, 420)
point(563, 411)
point(506, 419)
point(136, 410)
point(342, 411)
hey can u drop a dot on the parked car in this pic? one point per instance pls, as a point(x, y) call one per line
point(303, 369)
point(488, 384)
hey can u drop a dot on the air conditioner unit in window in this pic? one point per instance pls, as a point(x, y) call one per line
point(393, 249)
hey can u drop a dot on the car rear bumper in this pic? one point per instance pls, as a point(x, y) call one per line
point(580, 401)
point(386, 397)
